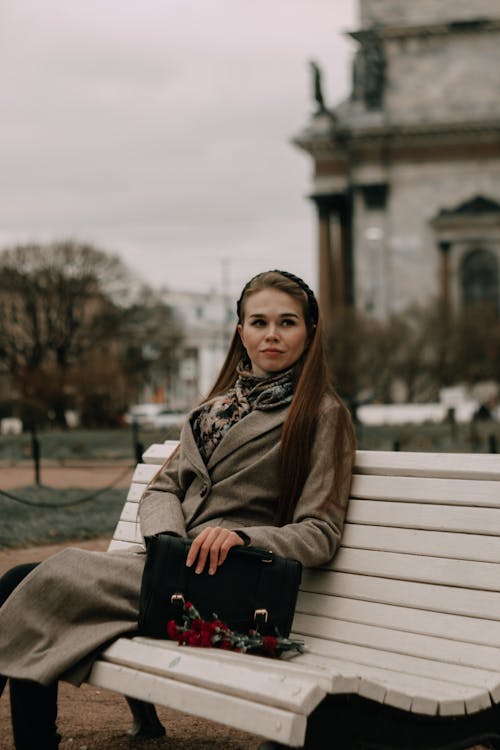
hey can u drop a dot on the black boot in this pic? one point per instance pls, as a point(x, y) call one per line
point(13, 578)
point(34, 713)
point(33, 706)
point(8, 583)
point(146, 723)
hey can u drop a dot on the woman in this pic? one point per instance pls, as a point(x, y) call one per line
point(265, 460)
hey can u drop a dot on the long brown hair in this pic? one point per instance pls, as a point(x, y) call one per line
point(312, 383)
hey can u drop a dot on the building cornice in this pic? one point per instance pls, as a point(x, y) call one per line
point(419, 129)
point(341, 141)
point(472, 26)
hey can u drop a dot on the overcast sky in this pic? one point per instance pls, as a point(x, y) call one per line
point(160, 130)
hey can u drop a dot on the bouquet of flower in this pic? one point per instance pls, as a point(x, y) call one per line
point(195, 631)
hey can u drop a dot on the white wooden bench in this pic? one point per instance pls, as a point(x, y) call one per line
point(402, 629)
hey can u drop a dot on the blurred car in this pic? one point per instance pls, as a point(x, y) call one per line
point(11, 426)
point(154, 415)
point(169, 418)
point(143, 414)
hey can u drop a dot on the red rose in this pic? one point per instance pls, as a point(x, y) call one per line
point(205, 639)
point(197, 624)
point(270, 644)
point(172, 630)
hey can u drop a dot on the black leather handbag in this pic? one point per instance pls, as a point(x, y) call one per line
point(252, 589)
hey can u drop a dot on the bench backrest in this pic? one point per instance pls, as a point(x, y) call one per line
point(418, 564)
point(380, 477)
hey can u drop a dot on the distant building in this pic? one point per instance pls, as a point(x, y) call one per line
point(207, 321)
point(407, 169)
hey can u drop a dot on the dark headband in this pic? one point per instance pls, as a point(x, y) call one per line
point(313, 305)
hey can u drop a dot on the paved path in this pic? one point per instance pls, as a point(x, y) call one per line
point(88, 476)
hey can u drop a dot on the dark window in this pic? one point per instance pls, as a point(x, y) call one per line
point(375, 195)
point(479, 279)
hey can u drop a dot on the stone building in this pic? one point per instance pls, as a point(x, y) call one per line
point(207, 322)
point(407, 169)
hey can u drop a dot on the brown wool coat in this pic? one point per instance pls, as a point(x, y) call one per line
point(77, 601)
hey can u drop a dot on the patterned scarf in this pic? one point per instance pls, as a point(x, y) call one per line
point(212, 420)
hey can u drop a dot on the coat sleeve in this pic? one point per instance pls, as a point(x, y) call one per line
point(314, 534)
point(160, 508)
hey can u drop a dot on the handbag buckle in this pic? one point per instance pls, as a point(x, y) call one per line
point(177, 598)
point(261, 615)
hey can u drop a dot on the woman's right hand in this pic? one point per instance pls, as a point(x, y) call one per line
point(211, 547)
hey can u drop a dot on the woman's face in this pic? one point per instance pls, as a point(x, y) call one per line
point(273, 331)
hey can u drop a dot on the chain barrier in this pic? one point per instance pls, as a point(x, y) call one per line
point(80, 501)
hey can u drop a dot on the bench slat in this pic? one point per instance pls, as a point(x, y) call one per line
point(417, 693)
point(128, 531)
point(129, 512)
point(477, 547)
point(436, 570)
point(357, 656)
point(157, 453)
point(431, 517)
point(407, 619)
point(270, 722)
point(135, 492)
point(424, 490)
point(414, 464)
point(117, 545)
point(245, 680)
point(328, 679)
point(144, 473)
point(411, 644)
point(448, 599)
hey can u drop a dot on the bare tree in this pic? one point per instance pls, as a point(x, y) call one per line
point(422, 349)
point(58, 302)
point(477, 347)
point(362, 355)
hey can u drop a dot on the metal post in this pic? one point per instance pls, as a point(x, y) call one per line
point(136, 444)
point(35, 452)
point(492, 443)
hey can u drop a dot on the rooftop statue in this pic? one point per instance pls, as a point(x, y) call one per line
point(317, 88)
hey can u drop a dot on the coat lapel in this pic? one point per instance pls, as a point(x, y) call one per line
point(190, 450)
point(254, 424)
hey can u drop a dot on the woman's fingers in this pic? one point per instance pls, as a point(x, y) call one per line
point(211, 547)
point(194, 553)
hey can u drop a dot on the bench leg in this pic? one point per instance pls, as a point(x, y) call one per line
point(146, 723)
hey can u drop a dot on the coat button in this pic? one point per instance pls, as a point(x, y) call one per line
point(204, 490)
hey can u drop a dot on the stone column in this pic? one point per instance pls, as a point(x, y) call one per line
point(325, 260)
point(444, 274)
point(334, 253)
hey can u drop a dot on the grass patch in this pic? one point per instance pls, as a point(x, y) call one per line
point(73, 516)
